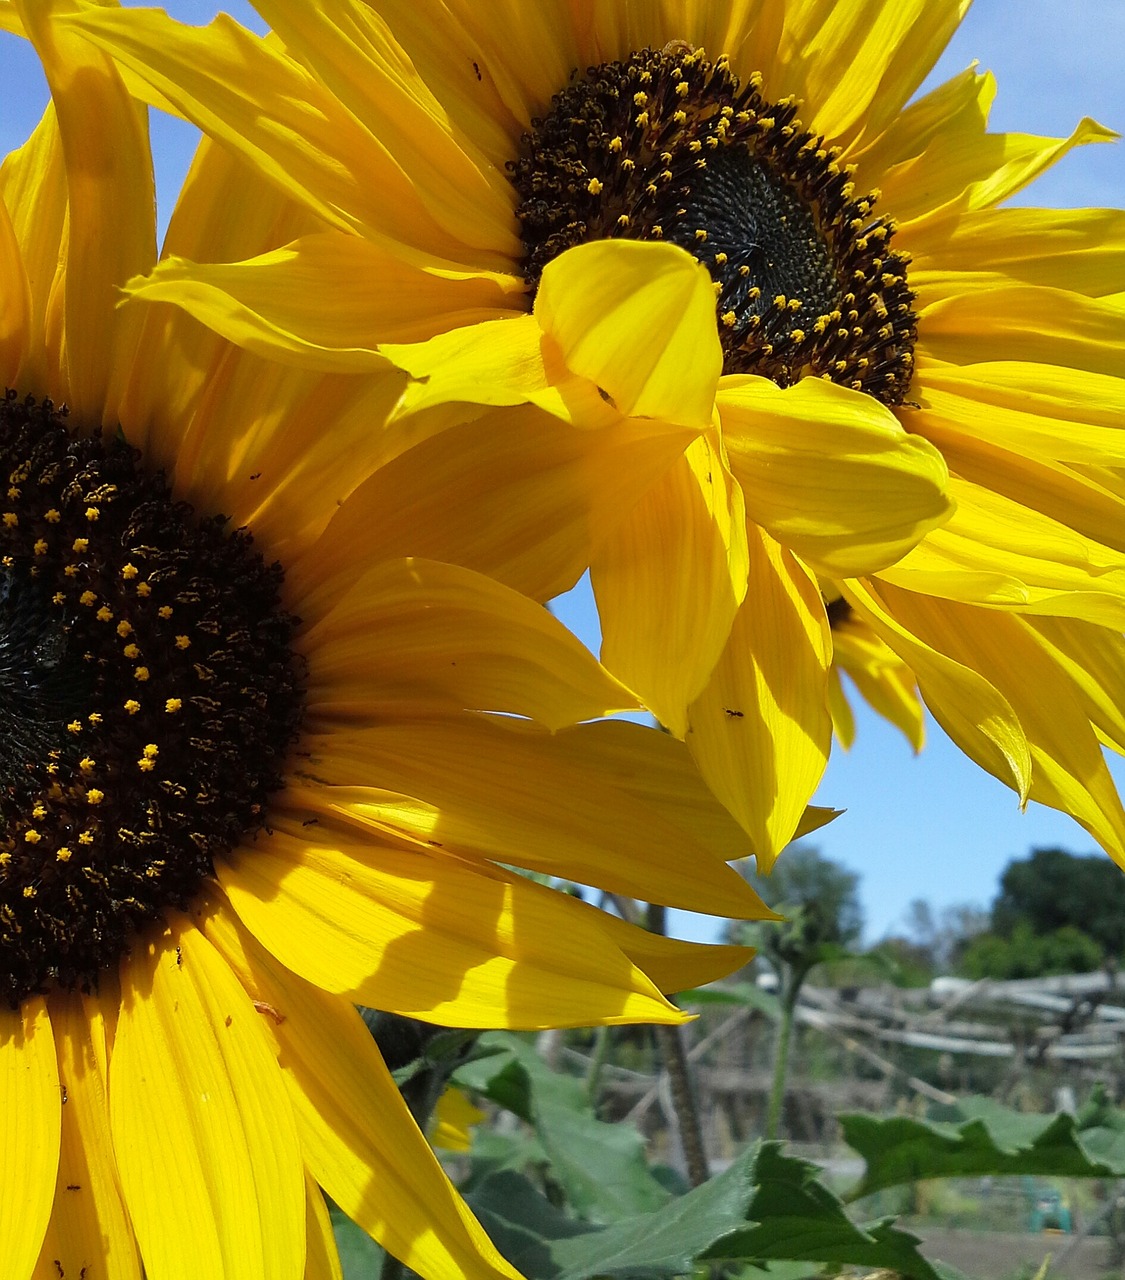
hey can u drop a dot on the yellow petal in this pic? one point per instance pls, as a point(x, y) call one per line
point(358, 1138)
point(865, 50)
point(493, 792)
point(943, 124)
point(972, 711)
point(89, 1224)
point(29, 1136)
point(274, 304)
point(427, 936)
point(639, 321)
point(550, 493)
point(669, 580)
point(418, 632)
point(112, 232)
point(1041, 411)
point(760, 731)
point(843, 721)
point(655, 770)
point(675, 965)
point(204, 1133)
point(349, 48)
point(1069, 770)
point(830, 473)
point(275, 467)
point(1051, 488)
point(454, 1116)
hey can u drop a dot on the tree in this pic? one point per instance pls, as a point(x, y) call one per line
point(1029, 955)
point(1053, 888)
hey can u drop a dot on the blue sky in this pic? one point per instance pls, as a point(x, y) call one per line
point(932, 826)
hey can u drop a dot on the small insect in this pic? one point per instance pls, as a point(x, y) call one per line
point(179, 957)
point(734, 715)
point(476, 70)
point(65, 1095)
point(269, 1011)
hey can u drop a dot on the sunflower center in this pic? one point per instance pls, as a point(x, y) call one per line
point(148, 696)
point(669, 146)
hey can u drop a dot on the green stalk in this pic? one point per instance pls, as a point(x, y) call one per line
point(790, 992)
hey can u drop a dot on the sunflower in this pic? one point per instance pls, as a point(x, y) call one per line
point(873, 319)
point(259, 768)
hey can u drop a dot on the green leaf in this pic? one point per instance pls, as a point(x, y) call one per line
point(600, 1168)
point(984, 1138)
point(545, 1245)
point(360, 1257)
point(523, 1224)
point(796, 1218)
point(792, 1219)
point(741, 994)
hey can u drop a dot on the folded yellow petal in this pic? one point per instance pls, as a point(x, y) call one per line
point(273, 304)
point(428, 936)
point(1078, 249)
point(284, 123)
point(15, 302)
point(972, 711)
point(669, 579)
point(884, 681)
point(760, 731)
point(1094, 659)
point(205, 1138)
point(358, 1138)
point(1068, 769)
point(1001, 553)
point(830, 473)
point(33, 188)
point(111, 198)
point(416, 632)
point(497, 362)
point(1022, 322)
point(30, 1102)
point(639, 321)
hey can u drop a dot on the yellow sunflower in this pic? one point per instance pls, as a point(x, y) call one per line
point(879, 320)
point(257, 769)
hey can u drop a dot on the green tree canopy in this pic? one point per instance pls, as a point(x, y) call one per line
point(1052, 889)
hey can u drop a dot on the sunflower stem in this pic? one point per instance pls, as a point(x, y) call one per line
point(781, 1057)
point(683, 1102)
